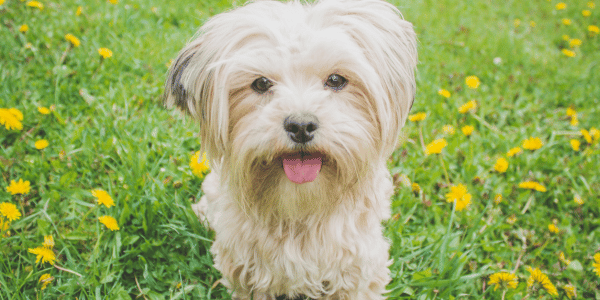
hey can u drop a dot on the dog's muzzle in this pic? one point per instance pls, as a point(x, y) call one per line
point(302, 166)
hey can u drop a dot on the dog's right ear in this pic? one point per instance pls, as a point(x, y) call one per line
point(183, 79)
point(175, 93)
point(191, 85)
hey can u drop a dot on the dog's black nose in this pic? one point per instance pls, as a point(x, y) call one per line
point(300, 128)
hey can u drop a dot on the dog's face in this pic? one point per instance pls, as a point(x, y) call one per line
point(297, 102)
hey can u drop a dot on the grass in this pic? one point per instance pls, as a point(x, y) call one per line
point(108, 130)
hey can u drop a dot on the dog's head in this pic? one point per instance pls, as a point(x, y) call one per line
point(287, 93)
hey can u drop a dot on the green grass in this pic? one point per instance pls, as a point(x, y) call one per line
point(110, 131)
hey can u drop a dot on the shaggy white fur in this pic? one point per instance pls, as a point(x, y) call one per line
point(299, 106)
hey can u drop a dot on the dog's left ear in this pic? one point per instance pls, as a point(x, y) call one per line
point(390, 44)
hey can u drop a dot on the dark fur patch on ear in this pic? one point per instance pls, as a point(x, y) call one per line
point(174, 85)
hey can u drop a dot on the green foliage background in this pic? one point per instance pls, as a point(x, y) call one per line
point(109, 130)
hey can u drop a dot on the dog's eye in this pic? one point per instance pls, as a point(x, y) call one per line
point(261, 85)
point(336, 82)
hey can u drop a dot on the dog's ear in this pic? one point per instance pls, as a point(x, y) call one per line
point(191, 85)
point(175, 93)
point(390, 44)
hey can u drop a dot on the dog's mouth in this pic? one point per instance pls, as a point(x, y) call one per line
point(302, 167)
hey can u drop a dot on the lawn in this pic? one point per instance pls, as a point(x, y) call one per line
point(498, 181)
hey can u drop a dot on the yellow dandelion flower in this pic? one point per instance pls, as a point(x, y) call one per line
point(472, 81)
point(469, 106)
point(532, 185)
point(568, 53)
point(18, 187)
point(9, 211)
point(43, 110)
point(467, 130)
point(448, 129)
point(539, 278)
point(48, 242)
point(416, 188)
point(578, 199)
point(4, 227)
point(566, 21)
point(105, 53)
point(570, 291)
point(560, 6)
point(35, 4)
point(511, 220)
point(593, 29)
point(199, 166)
point(565, 37)
point(575, 144)
point(103, 198)
point(45, 280)
point(24, 28)
point(459, 195)
point(417, 117)
point(532, 23)
point(591, 4)
point(571, 112)
point(43, 254)
point(79, 11)
point(586, 135)
point(463, 203)
point(563, 259)
point(586, 13)
point(517, 23)
point(41, 144)
point(574, 120)
point(436, 146)
point(532, 143)
point(504, 280)
point(596, 265)
point(573, 43)
point(497, 199)
point(11, 118)
point(553, 228)
point(444, 93)
point(595, 133)
point(72, 39)
point(109, 222)
point(514, 151)
point(113, 1)
point(501, 165)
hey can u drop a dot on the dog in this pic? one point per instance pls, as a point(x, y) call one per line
point(299, 106)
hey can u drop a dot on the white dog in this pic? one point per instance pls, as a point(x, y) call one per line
point(300, 106)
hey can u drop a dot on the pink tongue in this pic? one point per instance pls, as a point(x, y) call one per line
point(301, 169)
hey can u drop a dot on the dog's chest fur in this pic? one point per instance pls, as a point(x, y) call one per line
point(318, 256)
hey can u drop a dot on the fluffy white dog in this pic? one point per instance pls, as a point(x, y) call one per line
point(299, 106)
